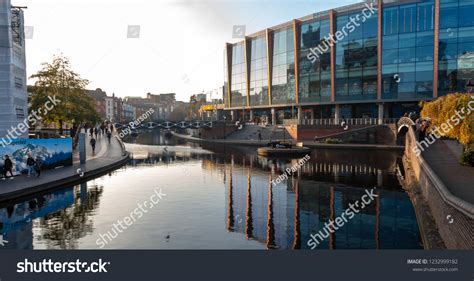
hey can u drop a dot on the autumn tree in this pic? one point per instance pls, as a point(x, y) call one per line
point(445, 109)
point(57, 80)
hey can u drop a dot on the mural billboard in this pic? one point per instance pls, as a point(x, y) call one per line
point(52, 152)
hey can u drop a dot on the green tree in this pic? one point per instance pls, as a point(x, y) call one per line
point(57, 80)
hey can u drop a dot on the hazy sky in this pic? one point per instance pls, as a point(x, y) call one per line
point(181, 43)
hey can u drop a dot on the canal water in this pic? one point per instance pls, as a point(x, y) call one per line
point(174, 195)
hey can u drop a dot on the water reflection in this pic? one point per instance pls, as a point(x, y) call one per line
point(225, 200)
point(54, 220)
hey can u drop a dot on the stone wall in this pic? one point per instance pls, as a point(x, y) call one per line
point(454, 217)
point(216, 132)
point(362, 134)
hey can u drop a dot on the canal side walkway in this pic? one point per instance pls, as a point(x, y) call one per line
point(310, 144)
point(443, 157)
point(108, 157)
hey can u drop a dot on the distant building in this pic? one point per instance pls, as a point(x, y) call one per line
point(129, 112)
point(201, 98)
point(99, 98)
point(110, 109)
point(13, 92)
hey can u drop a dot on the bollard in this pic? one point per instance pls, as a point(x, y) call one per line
point(82, 148)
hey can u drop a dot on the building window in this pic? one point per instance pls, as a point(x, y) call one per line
point(239, 80)
point(283, 71)
point(16, 26)
point(258, 72)
point(20, 113)
point(18, 83)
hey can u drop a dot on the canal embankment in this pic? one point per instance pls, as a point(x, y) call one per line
point(108, 157)
point(310, 144)
point(441, 191)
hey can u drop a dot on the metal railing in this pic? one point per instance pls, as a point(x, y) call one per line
point(347, 121)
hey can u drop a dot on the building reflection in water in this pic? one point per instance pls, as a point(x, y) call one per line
point(55, 220)
point(270, 225)
point(248, 213)
point(284, 214)
point(278, 214)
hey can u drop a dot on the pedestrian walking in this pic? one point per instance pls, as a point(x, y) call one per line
point(93, 143)
point(30, 163)
point(109, 135)
point(91, 132)
point(96, 132)
point(7, 167)
point(38, 166)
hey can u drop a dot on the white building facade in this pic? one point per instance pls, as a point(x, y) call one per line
point(13, 79)
point(110, 108)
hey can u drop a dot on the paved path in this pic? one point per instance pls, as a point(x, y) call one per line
point(107, 157)
point(443, 158)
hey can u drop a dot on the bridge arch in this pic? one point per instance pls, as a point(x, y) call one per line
point(403, 126)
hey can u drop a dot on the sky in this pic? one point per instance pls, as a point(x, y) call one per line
point(180, 48)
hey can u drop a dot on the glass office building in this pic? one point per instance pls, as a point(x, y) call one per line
point(374, 59)
point(13, 94)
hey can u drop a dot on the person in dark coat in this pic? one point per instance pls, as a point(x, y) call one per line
point(7, 167)
point(93, 143)
point(31, 163)
point(38, 165)
point(109, 135)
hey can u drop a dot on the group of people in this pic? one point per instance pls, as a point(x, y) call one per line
point(33, 165)
point(97, 132)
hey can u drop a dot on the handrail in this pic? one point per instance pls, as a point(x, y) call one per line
point(349, 121)
point(457, 203)
point(124, 150)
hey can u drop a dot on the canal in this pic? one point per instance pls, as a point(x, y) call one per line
point(218, 197)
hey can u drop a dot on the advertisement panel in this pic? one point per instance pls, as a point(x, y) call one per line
point(53, 153)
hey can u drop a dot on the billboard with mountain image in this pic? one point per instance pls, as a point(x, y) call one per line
point(52, 152)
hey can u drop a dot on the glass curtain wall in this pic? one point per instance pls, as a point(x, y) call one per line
point(356, 58)
point(407, 56)
point(456, 45)
point(258, 72)
point(239, 88)
point(283, 76)
point(226, 80)
point(315, 77)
